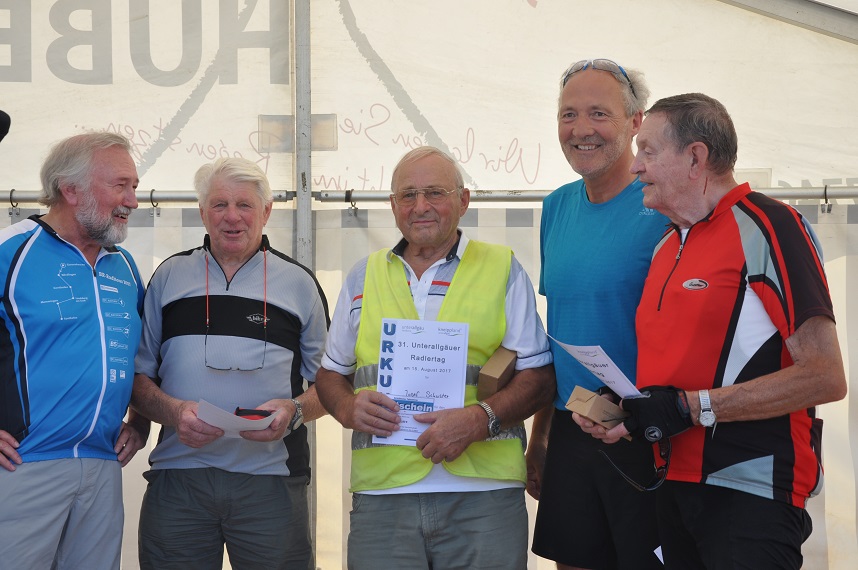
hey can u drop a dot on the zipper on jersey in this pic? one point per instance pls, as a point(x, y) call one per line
point(104, 365)
point(675, 262)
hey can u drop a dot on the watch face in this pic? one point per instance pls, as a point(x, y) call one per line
point(494, 427)
point(707, 419)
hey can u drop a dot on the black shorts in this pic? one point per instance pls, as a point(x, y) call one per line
point(704, 526)
point(588, 515)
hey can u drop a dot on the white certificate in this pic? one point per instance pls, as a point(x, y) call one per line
point(597, 361)
point(421, 367)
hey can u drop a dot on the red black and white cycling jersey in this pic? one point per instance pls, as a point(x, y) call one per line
point(718, 303)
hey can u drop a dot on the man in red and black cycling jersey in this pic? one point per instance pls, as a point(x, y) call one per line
point(737, 342)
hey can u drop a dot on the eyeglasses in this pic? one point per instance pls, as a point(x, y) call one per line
point(601, 65)
point(660, 472)
point(221, 352)
point(433, 195)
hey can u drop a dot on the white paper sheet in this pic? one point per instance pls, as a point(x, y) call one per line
point(230, 423)
point(422, 368)
point(597, 361)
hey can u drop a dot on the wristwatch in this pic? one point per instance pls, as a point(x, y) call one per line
point(707, 416)
point(298, 418)
point(494, 421)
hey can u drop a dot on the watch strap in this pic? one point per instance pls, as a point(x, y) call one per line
point(707, 416)
point(297, 417)
point(494, 422)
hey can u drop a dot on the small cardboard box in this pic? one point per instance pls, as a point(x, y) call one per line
point(595, 408)
point(496, 372)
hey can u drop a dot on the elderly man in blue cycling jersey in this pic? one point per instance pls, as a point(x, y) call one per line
point(71, 324)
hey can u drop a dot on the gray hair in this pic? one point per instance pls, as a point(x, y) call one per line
point(232, 170)
point(695, 117)
point(633, 86)
point(70, 162)
point(423, 152)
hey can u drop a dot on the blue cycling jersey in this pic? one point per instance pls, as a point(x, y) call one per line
point(70, 332)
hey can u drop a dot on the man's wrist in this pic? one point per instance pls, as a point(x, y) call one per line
point(179, 411)
point(694, 405)
point(683, 405)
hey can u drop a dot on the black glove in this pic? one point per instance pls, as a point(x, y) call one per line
point(662, 412)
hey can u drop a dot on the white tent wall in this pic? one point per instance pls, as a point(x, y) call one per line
point(478, 78)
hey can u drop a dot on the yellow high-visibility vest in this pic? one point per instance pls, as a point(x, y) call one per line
point(476, 295)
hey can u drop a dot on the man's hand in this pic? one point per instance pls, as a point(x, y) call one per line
point(662, 412)
point(451, 432)
point(367, 411)
point(8, 455)
point(374, 413)
point(537, 447)
point(191, 430)
point(535, 458)
point(131, 439)
point(283, 411)
point(599, 432)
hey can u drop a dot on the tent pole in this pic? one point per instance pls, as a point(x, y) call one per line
point(303, 247)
